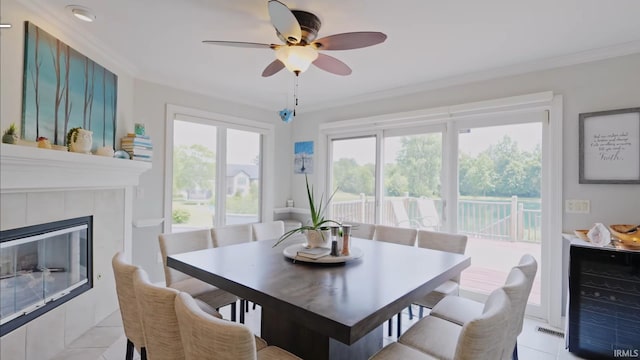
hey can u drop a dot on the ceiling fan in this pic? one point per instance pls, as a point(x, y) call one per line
point(298, 30)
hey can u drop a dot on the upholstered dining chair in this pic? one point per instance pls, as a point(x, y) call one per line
point(131, 318)
point(231, 234)
point(459, 310)
point(480, 338)
point(396, 235)
point(156, 304)
point(270, 230)
point(176, 243)
point(454, 243)
point(205, 337)
point(362, 230)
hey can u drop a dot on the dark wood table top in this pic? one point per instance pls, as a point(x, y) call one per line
point(344, 301)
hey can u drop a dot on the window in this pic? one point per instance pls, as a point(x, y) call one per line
point(353, 168)
point(215, 168)
point(466, 156)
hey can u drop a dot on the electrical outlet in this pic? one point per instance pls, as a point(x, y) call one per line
point(577, 206)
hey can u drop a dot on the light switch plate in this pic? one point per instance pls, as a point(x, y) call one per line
point(573, 206)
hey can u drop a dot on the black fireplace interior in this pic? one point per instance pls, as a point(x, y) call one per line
point(42, 267)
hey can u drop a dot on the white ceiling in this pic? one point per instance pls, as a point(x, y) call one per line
point(429, 42)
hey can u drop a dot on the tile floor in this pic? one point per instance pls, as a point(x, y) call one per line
point(106, 340)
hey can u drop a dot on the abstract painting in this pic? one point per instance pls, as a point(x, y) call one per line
point(63, 89)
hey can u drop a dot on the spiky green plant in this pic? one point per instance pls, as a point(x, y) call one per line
point(317, 214)
point(11, 130)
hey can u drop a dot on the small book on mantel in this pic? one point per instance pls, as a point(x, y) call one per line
point(314, 253)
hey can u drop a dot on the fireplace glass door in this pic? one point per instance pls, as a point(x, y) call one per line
point(40, 266)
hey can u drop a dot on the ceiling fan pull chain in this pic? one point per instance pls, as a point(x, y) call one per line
point(295, 96)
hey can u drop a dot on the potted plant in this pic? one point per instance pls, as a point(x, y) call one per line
point(314, 231)
point(10, 135)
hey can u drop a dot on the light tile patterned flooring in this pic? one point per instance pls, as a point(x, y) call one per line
point(106, 340)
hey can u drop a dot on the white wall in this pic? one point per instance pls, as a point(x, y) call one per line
point(150, 102)
point(602, 85)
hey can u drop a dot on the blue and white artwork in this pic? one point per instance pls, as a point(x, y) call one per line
point(303, 162)
point(63, 89)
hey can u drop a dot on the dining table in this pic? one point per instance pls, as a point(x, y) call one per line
point(330, 309)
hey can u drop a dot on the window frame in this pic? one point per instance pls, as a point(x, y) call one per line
point(222, 122)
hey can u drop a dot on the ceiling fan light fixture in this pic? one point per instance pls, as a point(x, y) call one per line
point(297, 59)
point(81, 13)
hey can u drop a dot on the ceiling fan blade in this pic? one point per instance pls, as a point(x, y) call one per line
point(332, 65)
point(285, 22)
point(350, 40)
point(241, 44)
point(273, 68)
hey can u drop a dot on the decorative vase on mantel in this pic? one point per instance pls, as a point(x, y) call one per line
point(80, 140)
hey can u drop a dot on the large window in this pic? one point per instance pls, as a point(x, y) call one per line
point(194, 174)
point(474, 169)
point(243, 177)
point(412, 172)
point(353, 167)
point(215, 168)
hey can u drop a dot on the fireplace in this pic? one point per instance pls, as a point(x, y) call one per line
point(42, 267)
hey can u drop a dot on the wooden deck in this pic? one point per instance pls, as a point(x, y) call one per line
point(491, 261)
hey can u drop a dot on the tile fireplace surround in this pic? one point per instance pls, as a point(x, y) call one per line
point(39, 186)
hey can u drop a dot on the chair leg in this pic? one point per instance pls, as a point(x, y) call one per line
point(242, 307)
point(143, 354)
point(515, 352)
point(129, 354)
point(399, 324)
point(390, 327)
point(421, 313)
point(247, 306)
point(410, 312)
point(254, 306)
point(233, 311)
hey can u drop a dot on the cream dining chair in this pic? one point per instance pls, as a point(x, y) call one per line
point(271, 230)
point(131, 317)
point(176, 243)
point(232, 235)
point(395, 235)
point(205, 337)
point(480, 338)
point(454, 243)
point(459, 310)
point(362, 230)
point(158, 315)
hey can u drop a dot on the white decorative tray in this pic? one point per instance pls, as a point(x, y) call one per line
point(291, 252)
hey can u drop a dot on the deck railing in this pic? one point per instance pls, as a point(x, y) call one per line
point(499, 219)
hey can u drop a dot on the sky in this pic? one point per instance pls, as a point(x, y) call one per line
point(243, 146)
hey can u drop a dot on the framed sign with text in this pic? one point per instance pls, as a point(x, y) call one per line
point(610, 147)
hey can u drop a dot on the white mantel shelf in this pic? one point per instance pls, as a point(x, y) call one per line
point(24, 168)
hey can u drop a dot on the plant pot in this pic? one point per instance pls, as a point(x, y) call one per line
point(318, 238)
point(81, 141)
point(10, 138)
